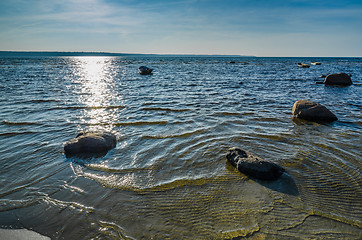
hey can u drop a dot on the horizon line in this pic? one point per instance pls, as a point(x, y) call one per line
point(119, 53)
point(105, 53)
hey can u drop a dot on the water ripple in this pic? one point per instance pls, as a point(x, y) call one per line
point(168, 177)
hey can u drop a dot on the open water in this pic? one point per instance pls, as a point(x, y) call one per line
point(168, 177)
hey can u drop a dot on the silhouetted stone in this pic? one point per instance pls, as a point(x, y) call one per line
point(312, 111)
point(341, 79)
point(90, 143)
point(143, 70)
point(252, 165)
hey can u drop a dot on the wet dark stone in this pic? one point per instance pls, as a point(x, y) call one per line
point(253, 166)
point(312, 111)
point(90, 143)
point(341, 79)
point(143, 70)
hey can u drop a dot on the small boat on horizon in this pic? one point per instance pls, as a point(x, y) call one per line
point(143, 70)
point(316, 63)
point(303, 65)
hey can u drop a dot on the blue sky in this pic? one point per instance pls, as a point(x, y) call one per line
point(245, 27)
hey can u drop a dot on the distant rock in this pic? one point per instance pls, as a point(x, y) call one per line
point(143, 70)
point(90, 143)
point(252, 165)
point(341, 79)
point(312, 111)
point(303, 65)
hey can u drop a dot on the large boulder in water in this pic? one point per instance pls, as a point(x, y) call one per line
point(90, 143)
point(252, 165)
point(341, 79)
point(312, 111)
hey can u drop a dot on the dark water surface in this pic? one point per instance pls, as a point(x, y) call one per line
point(168, 177)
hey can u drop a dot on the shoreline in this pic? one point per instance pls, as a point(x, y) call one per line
point(21, 233)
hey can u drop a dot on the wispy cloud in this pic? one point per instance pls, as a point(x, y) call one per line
point(173, 26)
point(80, 14)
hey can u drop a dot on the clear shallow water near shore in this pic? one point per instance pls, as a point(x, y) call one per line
point(168, 177)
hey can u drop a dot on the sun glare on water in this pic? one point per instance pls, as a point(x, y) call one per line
point(96, 93)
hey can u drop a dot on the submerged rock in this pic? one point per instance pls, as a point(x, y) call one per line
point(342, 79)
point(252, 165)
point(312, 111)
point(90, 143)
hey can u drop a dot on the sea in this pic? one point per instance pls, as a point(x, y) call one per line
point(168, 176)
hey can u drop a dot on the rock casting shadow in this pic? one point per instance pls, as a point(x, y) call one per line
point(302, 122)
point(85, 158)
point(284, 184)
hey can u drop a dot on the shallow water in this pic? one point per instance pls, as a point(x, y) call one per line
point(168, 177)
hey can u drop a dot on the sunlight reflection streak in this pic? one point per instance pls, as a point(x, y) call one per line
point(96, 78)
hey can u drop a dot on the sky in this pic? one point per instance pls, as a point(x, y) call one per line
point(240, 27)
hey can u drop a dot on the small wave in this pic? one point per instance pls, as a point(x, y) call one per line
point(105, 168)
point(110, 229)
point(176, 183)
point(64, 204)
point(351, 124)
point(11, 134)
point(7, 205)
point(271, 137)
point(248, 113)
point(87, 107)
point(293, 79)
point(41, 101)
point(226, 114)
point(182, 122)
point(170, 102)
point(36, 101)
point(269, 119)
point(126, 179)
point(141, 123)
point(182, 135)
point(5, 122)
point(164, 109)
